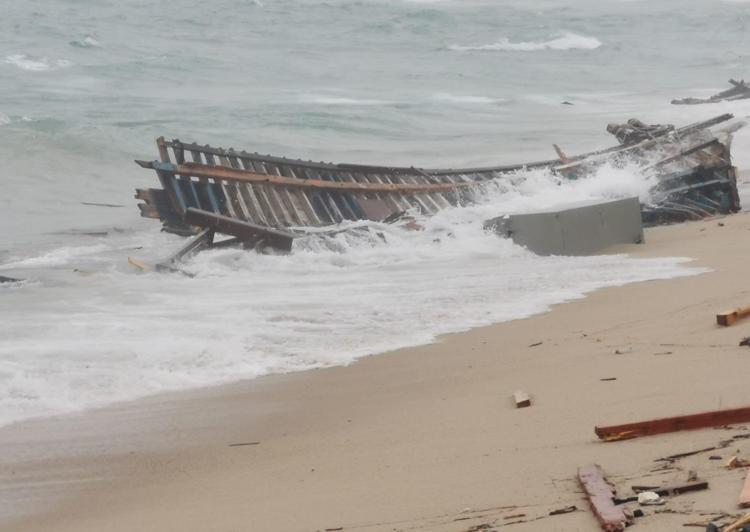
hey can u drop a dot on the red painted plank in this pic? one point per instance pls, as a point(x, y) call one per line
point(599, 493)
point(714, 418)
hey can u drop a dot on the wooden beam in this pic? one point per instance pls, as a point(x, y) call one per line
point(223, 173)
point(244, 230)
point(201, 241)
point(730, 317)
point(521, 399)
point(600, 494)
point(744, 501)
point(714, 418)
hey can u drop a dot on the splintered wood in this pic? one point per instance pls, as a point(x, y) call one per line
point(730, 317)
point(672, 424)
point(600, 495)
point(744, 501)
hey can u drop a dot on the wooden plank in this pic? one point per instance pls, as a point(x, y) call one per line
point(246, 176)
point(199, 242)
point(744, 501)
point(714, 418)
point(600, 494)
point(249, 232)
point(730, 317)
point(521, 399)
point(675, 489)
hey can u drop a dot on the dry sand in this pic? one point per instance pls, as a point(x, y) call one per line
point(425, 438)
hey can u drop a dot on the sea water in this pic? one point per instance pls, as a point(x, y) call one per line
point(87, 85)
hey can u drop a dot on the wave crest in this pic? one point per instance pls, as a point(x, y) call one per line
point(31, 63)
point(567, 41)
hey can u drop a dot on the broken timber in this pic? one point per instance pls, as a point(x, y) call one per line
point(744, 501)
point(695, 179)
point(600, 494)
point(739, 91)
point(730, 317)
point(521, 399)
point(673, 424)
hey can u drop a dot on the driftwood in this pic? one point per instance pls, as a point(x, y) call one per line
point(739, 91)
point(730, 317)
point(744, 500)
point(673, 424)
point(600, 493)
point(521, 399)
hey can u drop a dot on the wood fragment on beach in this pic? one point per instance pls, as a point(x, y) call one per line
point(730, 317)
point(744, 500)
point(673, 489)
point(565, 510)
point(599, 493)
point(738, 524)
point(521, 398)
point(713, 418)
point(244, 443)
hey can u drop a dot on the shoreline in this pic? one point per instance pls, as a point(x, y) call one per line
point(388, 439)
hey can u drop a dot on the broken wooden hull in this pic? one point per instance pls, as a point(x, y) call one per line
point(696, 180)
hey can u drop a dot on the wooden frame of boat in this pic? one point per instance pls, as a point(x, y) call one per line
point(278, 193)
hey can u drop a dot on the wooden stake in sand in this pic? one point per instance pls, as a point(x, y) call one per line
point(600, 494)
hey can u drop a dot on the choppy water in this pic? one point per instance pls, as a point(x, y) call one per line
point(87, 85)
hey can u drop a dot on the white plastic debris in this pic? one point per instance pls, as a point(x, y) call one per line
point(647, 498)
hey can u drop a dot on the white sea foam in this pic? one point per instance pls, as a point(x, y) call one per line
point(466, 98)
point(566, 41)
point(73, 342)
point(341, 100)
point(89, 41)
point(36, 64)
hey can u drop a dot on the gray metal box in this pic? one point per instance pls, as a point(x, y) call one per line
point(574, 229)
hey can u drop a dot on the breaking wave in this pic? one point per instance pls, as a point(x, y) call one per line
point(466, 98)
point(342, 100)
point(89, 41)
point(366, 290)
point(567, 41)
point(32, 63)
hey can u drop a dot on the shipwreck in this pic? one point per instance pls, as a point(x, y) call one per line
point(262, 201)
point(739, 90)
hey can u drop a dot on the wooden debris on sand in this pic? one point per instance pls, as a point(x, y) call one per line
point(730, 317)
point(522, 399)
point(714, 418)
point(744, 500)
point(600, 493)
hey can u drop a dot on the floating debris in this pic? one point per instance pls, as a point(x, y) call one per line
point(739, 91)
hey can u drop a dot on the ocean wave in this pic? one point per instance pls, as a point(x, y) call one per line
point(466, 98)
point(89, 41)
point(342, 100)
point(32, 63)
point(566, 41)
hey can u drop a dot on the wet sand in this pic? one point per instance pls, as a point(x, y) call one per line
point(425, 438)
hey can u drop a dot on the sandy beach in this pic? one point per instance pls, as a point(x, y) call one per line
point(425, 438)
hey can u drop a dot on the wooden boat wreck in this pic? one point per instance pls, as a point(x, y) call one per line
point(266, 201)
point(739, 91)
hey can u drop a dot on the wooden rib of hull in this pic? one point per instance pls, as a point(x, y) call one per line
point(279, 192)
